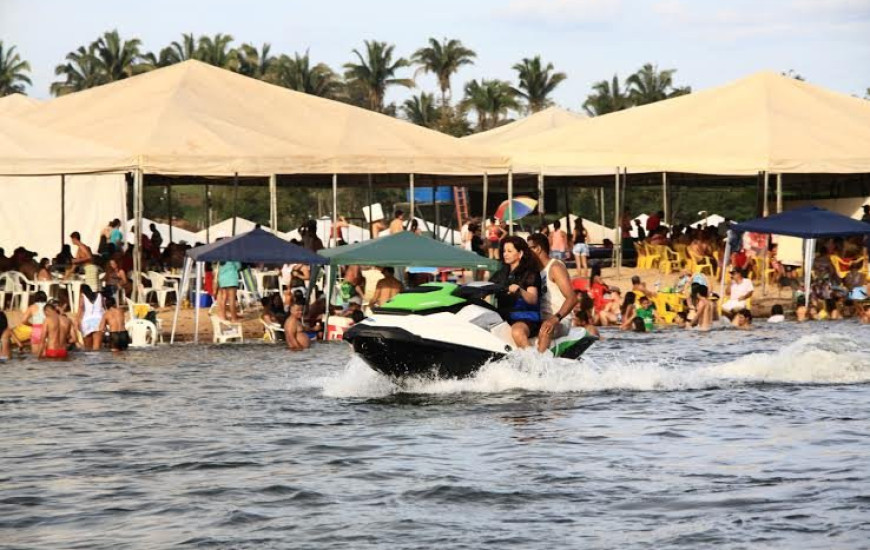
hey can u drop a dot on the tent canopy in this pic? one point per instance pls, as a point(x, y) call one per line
point(29, 150)
point(764, 122)
point(532, 125)
point(17, 105)
point(809, 222)
point(198, 120)
point(255, 246)
point(405, 250)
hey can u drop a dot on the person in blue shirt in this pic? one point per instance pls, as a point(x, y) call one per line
point(228, 286)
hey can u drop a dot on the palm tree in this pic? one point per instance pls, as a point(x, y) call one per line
point(536, 83)
point(297, 74)
point(491, 100)
point(117, 59)
point(649, 85)
point(216, 51)
point(608, 98)
point(256, 64)
point(81, 71)
point(376, 71)
point(421, 110)
point(12, 71)
point(443, 59)
point(179, 51)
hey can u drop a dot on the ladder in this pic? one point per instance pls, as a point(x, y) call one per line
point(460, 200)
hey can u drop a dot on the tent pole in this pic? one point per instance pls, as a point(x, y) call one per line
point(725, 261)
point(510, 186)
point(541, 193)
point(334, 208)
point(185, 275)
point(602, 206)
point(764, 206)
point(810, 251)
point(128, 180)
point(169, 209)
point(370, 197)
point(207, 214)
point(137, 237)
point(62, 209)
point(413, 201)
point(567, 216)
point(199, 270)
point(778, 193)
point(273, 202)
point(665, 196)
point(485, 193)
point(619, 236)
point(235, 200)
point(434, 227)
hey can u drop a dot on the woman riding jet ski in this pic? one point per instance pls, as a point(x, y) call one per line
point(449, 331)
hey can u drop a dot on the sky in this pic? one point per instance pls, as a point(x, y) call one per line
point(708, 42)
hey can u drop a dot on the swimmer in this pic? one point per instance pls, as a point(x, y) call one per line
point(113, 321)
point(53, 344)
point(742, 319)
point(294, 332)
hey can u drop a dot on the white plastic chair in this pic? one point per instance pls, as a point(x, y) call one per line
point(271, 331)
point(161, 287)
point(15, 284)
point(225, 331)
point(143, 333)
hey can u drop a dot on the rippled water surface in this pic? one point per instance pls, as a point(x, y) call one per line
point(730, 439)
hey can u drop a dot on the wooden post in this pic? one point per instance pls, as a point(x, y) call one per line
point(273, 202)
point(235, 200)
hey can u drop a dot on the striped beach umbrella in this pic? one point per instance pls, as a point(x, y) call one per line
point(520, 206)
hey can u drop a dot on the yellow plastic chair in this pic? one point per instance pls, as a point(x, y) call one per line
point(841, 263)
point(670, 261)
point(652, 256)
point(641, 255)
point(701, 264)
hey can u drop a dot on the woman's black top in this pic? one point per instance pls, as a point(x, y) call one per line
point(512, 307)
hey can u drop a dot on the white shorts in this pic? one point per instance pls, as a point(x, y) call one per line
point(581, 249)
point(733, 305)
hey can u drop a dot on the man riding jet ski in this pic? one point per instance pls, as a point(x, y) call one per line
point(449, 331)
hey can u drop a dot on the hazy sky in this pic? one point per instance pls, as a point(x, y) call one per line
point(709, 42)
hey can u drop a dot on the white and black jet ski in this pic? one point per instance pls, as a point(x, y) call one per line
point(443, 330)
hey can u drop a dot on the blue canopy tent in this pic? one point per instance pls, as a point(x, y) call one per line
point(255, 247)
point(809, 223)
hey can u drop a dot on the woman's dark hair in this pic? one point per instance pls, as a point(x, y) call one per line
point(414, 225)
point(578, 230)
point(586, 301)
point(39, 297)
point(110, 302)
point(89, 293)
point(627, 301)
point(583, 316)
point(528, 261)
point(777, 310)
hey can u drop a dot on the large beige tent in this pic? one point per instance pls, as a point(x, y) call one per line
point(762, 123)
point(532, 125)
point(196, 119)
point(17, 105)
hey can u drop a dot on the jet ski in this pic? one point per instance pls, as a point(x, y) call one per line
point(443, 330)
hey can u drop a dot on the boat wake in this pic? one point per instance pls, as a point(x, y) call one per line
point(815, 359)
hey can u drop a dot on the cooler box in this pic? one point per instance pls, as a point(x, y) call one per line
point(205, 300)
point(336, 327)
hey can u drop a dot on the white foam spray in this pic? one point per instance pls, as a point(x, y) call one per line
point(828, 359)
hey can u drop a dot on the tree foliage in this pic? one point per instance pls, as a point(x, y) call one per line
point(536, 82)
point(647, 85)
point(443, 59)
point(13, 71)
point(375, 71)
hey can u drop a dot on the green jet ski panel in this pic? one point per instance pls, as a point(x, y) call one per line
point(427, 298)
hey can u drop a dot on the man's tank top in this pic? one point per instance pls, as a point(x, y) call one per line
point(551, 299)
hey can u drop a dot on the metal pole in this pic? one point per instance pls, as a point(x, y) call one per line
point(62, 209)
point(778, 193)
point(199, 272)
point(541, 191)
point(137, 223)
point(764, 206)
point(510, 186)
point(616, 221)
point(603, 208)
point(370, 198)
point(235, 200)
point(435, 230)
point(567, 229)
point(207, 214)
point(413, 202)
point(485, 193)
point(169, 208)
point(334, 208)
point(273, 202)
point(665, 196)
point(185, 278)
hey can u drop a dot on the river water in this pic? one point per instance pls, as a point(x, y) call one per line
point(675, 439)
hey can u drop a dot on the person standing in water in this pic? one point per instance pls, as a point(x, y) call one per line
point(113, 321)
point(53, 344)
point(557, 297)
point(294, 331)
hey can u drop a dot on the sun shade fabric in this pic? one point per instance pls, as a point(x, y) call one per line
point(17, 104)
point(257, 246)
point(406, 250)
point(809, 222)
point(532, 125)
point(195, 119)
point(764, 122)
point(29, 150)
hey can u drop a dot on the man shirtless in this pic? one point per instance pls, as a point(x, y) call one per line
point(703, 315)
point(67, 329)
point(386, 288)
point(53, 345)
point(294, 332)
point(83, 256)
point(398, 223)
point(113, 321)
